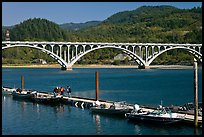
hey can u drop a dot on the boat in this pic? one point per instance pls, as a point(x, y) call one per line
point(23, 94)
point(8, 90)
point(119, 108)
point(47, 98)
point(189, 108)
point(161, 115)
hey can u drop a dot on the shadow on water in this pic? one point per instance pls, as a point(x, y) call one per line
point(36, 103)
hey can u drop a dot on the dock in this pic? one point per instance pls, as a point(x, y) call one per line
point(82, 102)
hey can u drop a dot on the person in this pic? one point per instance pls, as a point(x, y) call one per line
point(62, 90)
point(55, 91)
point(58, 89)
point(69, 90)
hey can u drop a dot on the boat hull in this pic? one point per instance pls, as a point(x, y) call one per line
point(109, 111)
point(17, 95)
point(152, 119)
point(48, 100)
point(7, 90)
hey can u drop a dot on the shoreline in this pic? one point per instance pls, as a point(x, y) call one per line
point(100, 66)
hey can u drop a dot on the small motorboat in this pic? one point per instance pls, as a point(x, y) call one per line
point(161, 115)
point(47, 98)
point(8, 90)
point(189, 108)
point(23, 94)
point(116, 108)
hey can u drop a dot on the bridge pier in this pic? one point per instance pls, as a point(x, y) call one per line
point(66, 68)
point(143, 67)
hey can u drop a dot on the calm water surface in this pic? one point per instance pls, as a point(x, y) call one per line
point(146, 87)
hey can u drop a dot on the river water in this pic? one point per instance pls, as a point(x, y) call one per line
point(147, 87)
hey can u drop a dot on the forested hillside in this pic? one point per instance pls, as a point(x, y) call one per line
point(149, 24)
point(158, 24)
point(79, 26)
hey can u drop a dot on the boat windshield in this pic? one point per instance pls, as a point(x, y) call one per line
point(160, 111)
point(118, 105)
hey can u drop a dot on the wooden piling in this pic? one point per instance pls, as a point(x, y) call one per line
point(195, 93)
point(97, 85)
point(22, 82)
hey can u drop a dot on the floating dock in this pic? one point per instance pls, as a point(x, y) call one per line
point(83, 102)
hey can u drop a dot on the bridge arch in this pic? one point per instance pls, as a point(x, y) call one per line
point(192, 51)
point(126, 51)
point(40, 47)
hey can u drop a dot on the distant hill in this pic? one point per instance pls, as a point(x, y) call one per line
point(37, 29)
point(79, 26)
point(7, 27)
point(148, 24)
point(144, 12)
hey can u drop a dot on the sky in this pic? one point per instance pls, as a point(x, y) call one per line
point(76, 12)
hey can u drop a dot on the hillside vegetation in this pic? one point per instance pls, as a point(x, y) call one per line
point(79, 26)
point(157, 24)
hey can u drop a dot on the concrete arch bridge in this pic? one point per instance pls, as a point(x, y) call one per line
point(67, 53)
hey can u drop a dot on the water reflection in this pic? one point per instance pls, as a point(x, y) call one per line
point(97, 123)
point(69, 108)
point(161, 129)
point(59, 108)
point(38, 108)
point(23, 106)
point(137, 130)
point(195, 131)
point(4, 98)
point(20, 102)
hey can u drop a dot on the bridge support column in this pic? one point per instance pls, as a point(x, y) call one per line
point(143, 67)
point(66, 68)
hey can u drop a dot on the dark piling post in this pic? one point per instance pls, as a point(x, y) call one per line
point(195, 93)
point(22, 82)
point(97, 85)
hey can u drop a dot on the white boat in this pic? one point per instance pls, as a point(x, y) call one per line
point(25, 94)
point(161, 115)
point(8, 90)
point(116, 108)
point(47, 98)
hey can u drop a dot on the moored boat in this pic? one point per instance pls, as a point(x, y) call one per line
point(119, 108)
point(161, 115)
point(8, 90)
point(23, 94)
point(47, 98)
point(189, 108)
